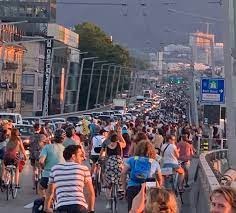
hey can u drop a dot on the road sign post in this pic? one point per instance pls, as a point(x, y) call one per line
point(212, 91)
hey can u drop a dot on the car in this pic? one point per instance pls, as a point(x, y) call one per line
point(118, 117)
point(108, 112)
point(33, 120)
point(104, 118)
point(96, 114)
point(26, 131)
point(74, 119)
point(54, 120)
point(14, 117)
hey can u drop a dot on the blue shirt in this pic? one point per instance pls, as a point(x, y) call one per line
point(155, 167)
point(54, 155)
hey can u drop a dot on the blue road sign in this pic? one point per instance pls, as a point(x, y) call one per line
point(212, 91)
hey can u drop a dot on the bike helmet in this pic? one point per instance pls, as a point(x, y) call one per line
point(59, 134)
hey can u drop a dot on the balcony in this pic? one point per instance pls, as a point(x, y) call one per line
point(8, 85)
point(10, 66)
point(10, 105)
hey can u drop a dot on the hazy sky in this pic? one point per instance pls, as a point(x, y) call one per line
point(143, 27)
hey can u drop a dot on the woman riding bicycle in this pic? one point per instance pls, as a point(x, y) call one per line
point(114, 162)
point(140, 168)
point(12, 155)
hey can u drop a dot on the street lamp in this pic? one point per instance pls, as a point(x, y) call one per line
point(100, 79)
point(105, 93)
point(80, 79)
point(112, 83)
point(67, 76)
point(90, 82)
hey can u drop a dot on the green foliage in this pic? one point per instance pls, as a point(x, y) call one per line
point(97, 43)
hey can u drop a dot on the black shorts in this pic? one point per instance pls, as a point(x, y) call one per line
point(44, 182)
point(2, 152)
point(94, 158)
point(34, 162)
point(9, 161)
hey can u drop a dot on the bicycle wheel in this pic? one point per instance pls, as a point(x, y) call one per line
point(12, 185)
point(95, 185)
point(113, 199)
point(7, 191)
point(98, 181)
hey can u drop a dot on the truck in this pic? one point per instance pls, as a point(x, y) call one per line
point(119, 105)
point(147, 94)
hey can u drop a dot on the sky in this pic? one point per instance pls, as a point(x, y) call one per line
point(143, 27)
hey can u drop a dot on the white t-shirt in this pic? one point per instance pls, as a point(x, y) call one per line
point(169, 154)
point(97, 142)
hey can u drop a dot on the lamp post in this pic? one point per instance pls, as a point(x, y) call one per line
point(105, 93)
point(118, 83)
point(112, 83)
point(90, 82)
point(80, 79)
point(99, 83)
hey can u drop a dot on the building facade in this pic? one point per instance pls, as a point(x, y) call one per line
point(32, 79)
point(34, 11)
point(10, 69)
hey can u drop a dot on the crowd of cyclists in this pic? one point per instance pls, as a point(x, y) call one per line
point(131, 152)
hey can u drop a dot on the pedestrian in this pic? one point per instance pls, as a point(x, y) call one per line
point(186, 153)
point(67, 180)
point(223, 200)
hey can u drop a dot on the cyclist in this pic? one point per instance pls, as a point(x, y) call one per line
point(170, 155)
point(51, 155)
point(67, 181)
point(70, 131)
point(114, 162)
point(96, 146)
point(12, 155)
point(140, 167)
point(4, 138)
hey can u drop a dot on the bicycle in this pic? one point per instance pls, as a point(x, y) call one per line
point(114, 189)
point(10, 181)
point(97, 179)
point(37, 177)
point(171, 181)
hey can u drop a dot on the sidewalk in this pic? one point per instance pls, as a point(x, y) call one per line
point(188, 197)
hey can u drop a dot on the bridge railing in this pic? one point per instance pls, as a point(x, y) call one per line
point(207, 178)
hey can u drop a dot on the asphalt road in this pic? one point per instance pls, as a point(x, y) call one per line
point(26, 196)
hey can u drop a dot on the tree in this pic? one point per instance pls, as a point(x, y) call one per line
point(97, 43)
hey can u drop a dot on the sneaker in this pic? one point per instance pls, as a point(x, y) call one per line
point(17, 186)
point(186, 186)
point(108, 205)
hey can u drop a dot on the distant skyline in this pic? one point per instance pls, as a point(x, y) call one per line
point(141, 27)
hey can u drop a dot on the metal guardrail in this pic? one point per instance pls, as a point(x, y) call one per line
point(64, 115)
point(209, 144)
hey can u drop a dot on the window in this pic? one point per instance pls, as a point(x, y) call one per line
point(28, 79)
point(28, 97)
point(39, 98)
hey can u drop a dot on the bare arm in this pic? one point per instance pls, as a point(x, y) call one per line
point(42, 161)
point(159, 178)
point(49, 197)
point(121, 139)
point(124, 176)
point(22, 149)
point(91, 197)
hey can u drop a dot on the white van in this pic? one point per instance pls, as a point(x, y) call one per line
point(14, 117)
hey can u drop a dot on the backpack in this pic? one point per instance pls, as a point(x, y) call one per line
point(141, 170)
point(38, 206)
point(35, 147)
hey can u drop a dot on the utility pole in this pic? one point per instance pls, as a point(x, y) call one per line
point(105, 93)
point(230, 78)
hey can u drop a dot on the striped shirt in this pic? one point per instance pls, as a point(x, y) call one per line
point(69, 179)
